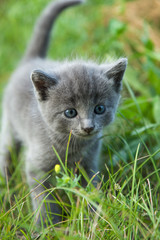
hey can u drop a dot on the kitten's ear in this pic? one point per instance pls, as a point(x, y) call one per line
point(115, 73)
point(42, 82)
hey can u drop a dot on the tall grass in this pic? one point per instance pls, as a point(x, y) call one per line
point(126, 202)
point(123, 207)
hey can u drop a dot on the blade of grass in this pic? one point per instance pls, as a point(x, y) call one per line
point(132, 193)
point(68, 143)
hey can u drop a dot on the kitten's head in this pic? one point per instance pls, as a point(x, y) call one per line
point(79, 96)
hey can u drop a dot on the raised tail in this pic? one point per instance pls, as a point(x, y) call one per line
point(39, 42)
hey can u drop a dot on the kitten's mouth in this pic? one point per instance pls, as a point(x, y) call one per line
point(87, 136)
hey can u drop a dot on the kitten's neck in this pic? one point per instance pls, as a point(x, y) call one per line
point(76, 144)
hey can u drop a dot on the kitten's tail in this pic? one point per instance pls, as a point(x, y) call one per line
point(39, 42)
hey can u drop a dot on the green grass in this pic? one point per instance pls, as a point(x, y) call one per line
point(127, 200)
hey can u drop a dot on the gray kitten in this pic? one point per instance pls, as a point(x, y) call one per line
point(45, 100)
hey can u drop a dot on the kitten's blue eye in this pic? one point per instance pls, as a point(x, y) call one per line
point(99, 109)
point(70, 113)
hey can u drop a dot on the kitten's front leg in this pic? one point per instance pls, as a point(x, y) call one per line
point(43, 201)
point(91, 174)
point(90, 163)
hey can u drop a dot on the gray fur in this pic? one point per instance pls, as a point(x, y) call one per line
point(35, 101)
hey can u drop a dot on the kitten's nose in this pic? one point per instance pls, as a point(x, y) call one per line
point(88, 129)
point(87, 125)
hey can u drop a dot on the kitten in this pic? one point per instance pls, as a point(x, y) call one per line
point(45, 100)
